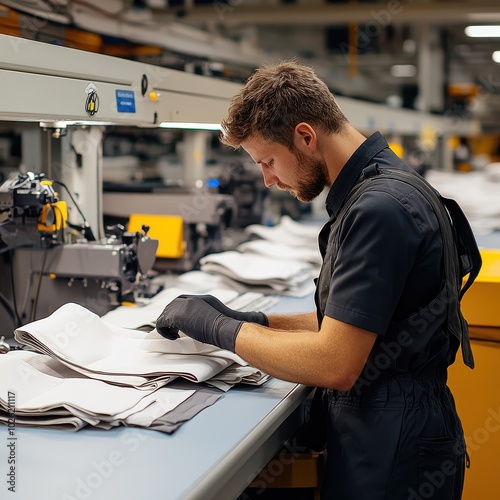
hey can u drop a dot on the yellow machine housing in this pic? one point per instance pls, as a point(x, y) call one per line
point(167, 229)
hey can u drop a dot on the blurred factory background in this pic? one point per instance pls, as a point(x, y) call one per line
point(426, 73)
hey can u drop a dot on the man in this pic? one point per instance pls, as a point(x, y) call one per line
point(382, 336)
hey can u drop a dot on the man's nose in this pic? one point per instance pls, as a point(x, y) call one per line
point(269, 178)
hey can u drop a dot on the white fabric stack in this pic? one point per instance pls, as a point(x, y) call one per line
point(100, 350)
point(476, 192)
point(85, 370)
point(49, 394)
point(250, 271)
point(284, 261)
point(282, 251)
point(288, 232)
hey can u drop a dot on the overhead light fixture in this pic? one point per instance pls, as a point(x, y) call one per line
point(491, 31)
point(496, 56)
point(403, 70)
point(191, 125)
point(66, 123)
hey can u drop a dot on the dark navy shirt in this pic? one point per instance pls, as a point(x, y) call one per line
point(389, 262)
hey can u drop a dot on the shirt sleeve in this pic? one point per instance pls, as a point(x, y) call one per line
point(379, 241)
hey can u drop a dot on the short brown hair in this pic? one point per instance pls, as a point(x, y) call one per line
point(275, 99)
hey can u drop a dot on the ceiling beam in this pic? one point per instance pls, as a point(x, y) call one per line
point(235, 13)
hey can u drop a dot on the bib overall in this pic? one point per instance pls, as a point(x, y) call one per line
point(396, 434)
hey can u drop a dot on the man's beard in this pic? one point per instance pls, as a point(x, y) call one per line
point(312, 177)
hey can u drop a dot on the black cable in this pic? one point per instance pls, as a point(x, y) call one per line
point(13, 289)
point(61, 230)
point(86, 228)
point(40, 276)
point(8, 307)
point(72, 198)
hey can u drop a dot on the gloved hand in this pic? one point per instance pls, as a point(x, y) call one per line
point(249, 316)
point(199, 320)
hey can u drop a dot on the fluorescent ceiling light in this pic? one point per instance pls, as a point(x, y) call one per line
point(191, 125)
point(403, 70)
point(67, 123)
point(496, 56)
point(491, 31)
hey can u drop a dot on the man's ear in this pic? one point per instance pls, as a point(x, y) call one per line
point(304, 137)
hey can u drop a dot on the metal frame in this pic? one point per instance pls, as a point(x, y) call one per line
point(49, 83)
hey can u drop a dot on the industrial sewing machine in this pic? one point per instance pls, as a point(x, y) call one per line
point(55, 249)
point(65, 259)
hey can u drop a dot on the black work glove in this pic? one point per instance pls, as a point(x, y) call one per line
point(250, 316)
point(199, 320)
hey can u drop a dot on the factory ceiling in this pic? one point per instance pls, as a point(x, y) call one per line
point(410, 53)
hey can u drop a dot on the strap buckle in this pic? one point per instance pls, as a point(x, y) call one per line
point(370, 171)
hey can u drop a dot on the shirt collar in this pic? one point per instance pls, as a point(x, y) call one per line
point(351, 171)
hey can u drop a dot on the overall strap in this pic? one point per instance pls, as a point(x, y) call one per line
point(460, 252)
point(460, 255)
point(470, 257)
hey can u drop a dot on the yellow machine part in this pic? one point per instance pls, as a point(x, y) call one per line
point(58, 211)
point(476, 391)
point(167, 229)
point(480, 305)
point(478, 404)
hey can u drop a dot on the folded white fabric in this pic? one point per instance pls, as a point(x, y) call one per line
point(282, 251)
point(88, 371)
point(43, 390)
point(49, 394)
point(251, 269)
point(69, 423)
point(287, 231)
point(476, 193)
point(235, 374)
point(89, 345)
point(269, 288)
point(141, 316)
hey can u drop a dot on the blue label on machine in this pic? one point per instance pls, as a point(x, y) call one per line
point(125, 101)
